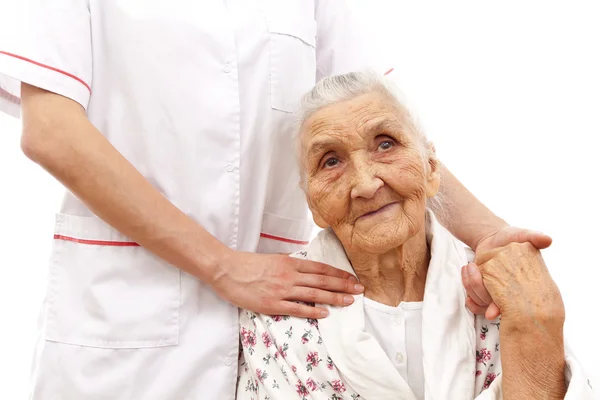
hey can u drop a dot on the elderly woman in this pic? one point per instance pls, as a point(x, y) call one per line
point(369, 176)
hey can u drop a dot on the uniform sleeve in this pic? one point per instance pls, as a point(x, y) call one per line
point(343, 43)
point(45, 43)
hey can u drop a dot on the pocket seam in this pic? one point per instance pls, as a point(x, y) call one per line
point(53, 331)
point(303, 30)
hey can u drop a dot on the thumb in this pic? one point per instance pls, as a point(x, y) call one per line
point(518, 235)
point(540, 240)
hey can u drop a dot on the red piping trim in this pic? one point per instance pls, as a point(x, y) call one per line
point(13, 99)
point(281, 239)
point(95, 242)
point(388, 71)
point(50, 68)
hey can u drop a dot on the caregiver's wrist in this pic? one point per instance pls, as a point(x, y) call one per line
point(210, 266)
point(483, 231)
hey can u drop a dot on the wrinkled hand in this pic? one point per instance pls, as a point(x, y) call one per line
point(478, 297)
point(273, 284)
point(520, 285)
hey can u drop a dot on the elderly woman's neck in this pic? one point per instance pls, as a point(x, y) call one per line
point(396, 276)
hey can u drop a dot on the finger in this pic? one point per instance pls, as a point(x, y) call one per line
point(318, 296)
point(492, 312)
point(314, 267)
point(540, 240)
point(474, 308)
point(466, 280)
point(518, 235)
point(294, 309)
point(329, 283)
point(477, 286)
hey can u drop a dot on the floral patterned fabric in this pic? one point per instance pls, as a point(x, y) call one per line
point(286, 358)
point(268, 370)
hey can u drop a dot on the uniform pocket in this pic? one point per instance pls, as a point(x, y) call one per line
point(293, 58)
point(106, 291)
point(283, 235)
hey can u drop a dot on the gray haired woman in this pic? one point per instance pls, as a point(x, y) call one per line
point(369, 175)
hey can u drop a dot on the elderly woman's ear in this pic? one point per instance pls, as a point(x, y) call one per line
point(433, 171)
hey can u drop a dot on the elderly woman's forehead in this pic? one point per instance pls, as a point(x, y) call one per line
point(348, 117)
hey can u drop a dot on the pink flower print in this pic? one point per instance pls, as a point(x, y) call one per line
point(338, 386)
point(306, 336)
point(267, 339)
point(313, 360)
point(301, 389)
point(313, 322)
point(478, 373)
point(311, 384)
point(483, 355)
point(261, 375)
point(483, 333)
point(282, 351)
point(489, 379)
point(277, 318)
point(248, 339)
point(294, 368)
point(329, 363)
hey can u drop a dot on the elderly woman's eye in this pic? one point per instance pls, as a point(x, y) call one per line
point(386, 145)
point(331, 162)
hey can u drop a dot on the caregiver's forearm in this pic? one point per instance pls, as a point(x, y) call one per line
point(463, 214)
point(58, 136)
point(533, 361)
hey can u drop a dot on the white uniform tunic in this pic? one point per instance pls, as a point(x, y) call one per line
point(198, 96)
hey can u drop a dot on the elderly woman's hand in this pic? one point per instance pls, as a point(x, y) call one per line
point(533, 316)
point(519, 283)
point(479, 300)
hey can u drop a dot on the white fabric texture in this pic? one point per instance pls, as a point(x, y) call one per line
point(398, 331)
point(197, 96)
point(336, 358)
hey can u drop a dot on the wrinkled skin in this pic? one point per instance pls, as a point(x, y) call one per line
point(368, 176)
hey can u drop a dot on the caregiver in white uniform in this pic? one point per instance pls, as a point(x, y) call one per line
point(169, 122)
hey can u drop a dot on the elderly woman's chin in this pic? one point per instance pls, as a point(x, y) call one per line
point(384, 230)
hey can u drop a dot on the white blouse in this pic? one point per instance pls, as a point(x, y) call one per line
point(398, 332)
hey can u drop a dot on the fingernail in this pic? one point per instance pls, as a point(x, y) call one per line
point(348, 299)
point(471, 269)
point(324, 313)
point(463, 271)
point(359, 288)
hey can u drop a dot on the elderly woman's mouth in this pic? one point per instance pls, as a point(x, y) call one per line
point(381, 211)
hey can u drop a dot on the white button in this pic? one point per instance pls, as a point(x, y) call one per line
point(228, 362)
point(227, 68)
point(399, 357)
point(229, 168)
point(397, 321)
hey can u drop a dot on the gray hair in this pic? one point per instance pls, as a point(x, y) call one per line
point(334, 89)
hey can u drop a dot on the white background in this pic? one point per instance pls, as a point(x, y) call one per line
point(509, 92)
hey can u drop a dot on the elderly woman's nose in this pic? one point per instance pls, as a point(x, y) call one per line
point(366, 183)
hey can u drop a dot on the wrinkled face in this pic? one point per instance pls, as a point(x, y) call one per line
point(366, 173)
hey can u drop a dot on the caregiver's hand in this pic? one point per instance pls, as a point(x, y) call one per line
point(479, 300)
point(272, 284)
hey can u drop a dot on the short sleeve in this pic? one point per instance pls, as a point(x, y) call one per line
point(45, 43)
point(343, 43)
